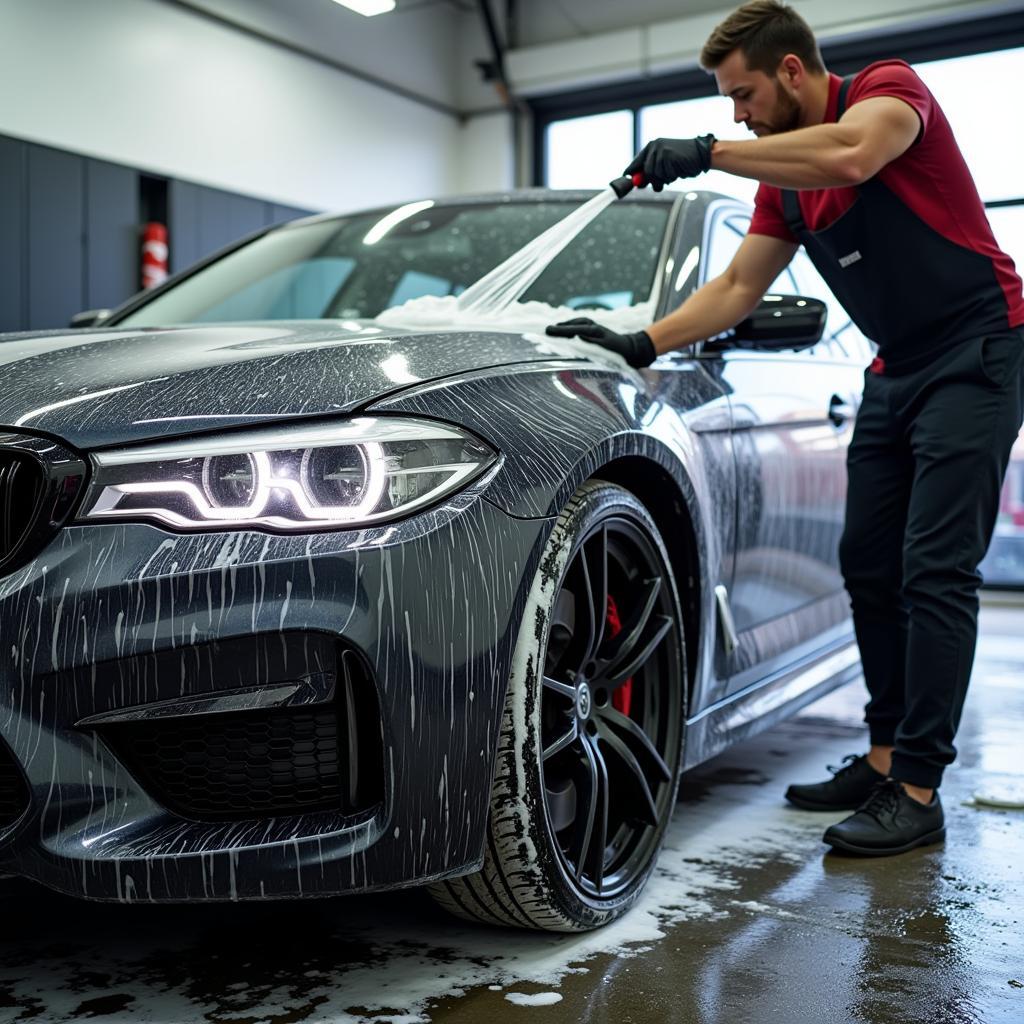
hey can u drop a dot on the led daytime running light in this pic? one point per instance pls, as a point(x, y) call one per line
point(266, 481)
point(288, 479)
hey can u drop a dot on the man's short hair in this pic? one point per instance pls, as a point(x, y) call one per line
point(765, 31)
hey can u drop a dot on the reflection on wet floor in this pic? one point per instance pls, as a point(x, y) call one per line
point(746, 919)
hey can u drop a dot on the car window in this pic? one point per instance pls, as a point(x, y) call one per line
point(414, 285)
point(357, 266)
point(610, 264)
point(727, 231)
point(842, 338)
point(283, 293)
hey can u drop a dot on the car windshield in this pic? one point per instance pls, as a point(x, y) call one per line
point(358, 266)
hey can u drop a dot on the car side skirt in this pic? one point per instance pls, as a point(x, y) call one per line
point(771, 700)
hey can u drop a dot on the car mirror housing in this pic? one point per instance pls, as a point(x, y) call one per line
point(780, 322)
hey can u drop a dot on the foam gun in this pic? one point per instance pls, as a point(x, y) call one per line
point(624, 185)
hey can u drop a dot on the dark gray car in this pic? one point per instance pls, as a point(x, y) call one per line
point(293, 603)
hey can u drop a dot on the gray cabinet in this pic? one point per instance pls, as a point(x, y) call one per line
point(112, 234)
point(183, 224)
point(278, 214)
point(12, 235)
point(56, 232)
point(70, 231)
point(202, 220)
point(225, 218)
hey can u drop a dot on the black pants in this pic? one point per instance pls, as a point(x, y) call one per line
point(925, 468)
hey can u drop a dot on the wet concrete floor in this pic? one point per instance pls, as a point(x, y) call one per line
point(746, 919)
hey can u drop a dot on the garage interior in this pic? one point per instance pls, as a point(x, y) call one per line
point(130, 128)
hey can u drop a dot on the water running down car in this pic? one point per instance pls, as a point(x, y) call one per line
point(295, 602)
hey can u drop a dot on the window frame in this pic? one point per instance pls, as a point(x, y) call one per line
point(831, 347)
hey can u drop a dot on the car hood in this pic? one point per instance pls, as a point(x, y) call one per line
point(103, 387)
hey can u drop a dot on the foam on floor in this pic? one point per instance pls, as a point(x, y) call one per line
point(537, 999)
point(411, 960)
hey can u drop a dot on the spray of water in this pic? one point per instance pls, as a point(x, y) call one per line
point(499, 289)
point(492, 303)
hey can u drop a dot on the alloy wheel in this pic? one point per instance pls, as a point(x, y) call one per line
point(611, 708)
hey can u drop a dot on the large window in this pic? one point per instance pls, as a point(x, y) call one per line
point(587, 152)
point(970, 91)
point(698, 117)
point(1008, 226)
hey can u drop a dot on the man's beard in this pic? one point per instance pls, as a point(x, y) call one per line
point(785, 114)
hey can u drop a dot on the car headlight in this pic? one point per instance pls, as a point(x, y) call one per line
point(351, 473)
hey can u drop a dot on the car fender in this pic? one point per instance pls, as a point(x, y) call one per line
point(559, 425)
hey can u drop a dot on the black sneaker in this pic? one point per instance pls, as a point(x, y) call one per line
point(889, 822)
point(851, 784)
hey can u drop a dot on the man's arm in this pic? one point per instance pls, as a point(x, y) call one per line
point(724, 301)
point(871, 134)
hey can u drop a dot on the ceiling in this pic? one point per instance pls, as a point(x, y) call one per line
point(548, 21)
point(325, 28)
point(430, 48)
point(414, 48)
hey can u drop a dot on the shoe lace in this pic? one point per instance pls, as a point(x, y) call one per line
point(844, 766)
point(884, 799)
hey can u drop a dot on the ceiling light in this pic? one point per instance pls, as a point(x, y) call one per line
point(368, 7)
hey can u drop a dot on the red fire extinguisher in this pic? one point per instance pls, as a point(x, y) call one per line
point(154, 254)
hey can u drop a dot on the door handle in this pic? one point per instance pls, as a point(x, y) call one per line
point(839, 410)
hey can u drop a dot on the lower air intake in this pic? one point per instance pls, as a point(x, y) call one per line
point(264, 763)
point(14, 794)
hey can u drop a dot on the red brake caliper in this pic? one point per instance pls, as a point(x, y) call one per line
point(621, 697)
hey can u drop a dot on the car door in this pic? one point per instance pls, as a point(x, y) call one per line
point(792, 413)
point(680, 382)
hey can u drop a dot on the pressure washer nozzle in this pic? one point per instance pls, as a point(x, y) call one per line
point(624, 185)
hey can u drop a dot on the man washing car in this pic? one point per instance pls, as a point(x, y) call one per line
point(865, 173)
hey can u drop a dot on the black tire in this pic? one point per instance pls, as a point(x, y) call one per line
point(561, 751)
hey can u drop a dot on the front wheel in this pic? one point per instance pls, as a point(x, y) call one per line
point(591, 736)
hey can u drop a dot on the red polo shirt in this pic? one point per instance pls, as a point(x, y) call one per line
point(931, 178)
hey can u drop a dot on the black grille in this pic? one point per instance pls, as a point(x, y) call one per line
point(262, 763)
point(21, 487)
point(239, 766)
point(14, 793)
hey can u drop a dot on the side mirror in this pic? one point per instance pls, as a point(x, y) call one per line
point(89, 318)
point(781, 322)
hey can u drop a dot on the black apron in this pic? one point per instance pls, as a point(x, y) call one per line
point(909, 289)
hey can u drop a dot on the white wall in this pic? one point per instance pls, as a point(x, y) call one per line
point(152, 85)
point(486, 151)
point(485, 154)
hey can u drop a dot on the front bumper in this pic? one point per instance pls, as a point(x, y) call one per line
point(431, 605)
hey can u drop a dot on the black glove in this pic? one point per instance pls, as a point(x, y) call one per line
point(664, 160)
point(637, 349)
